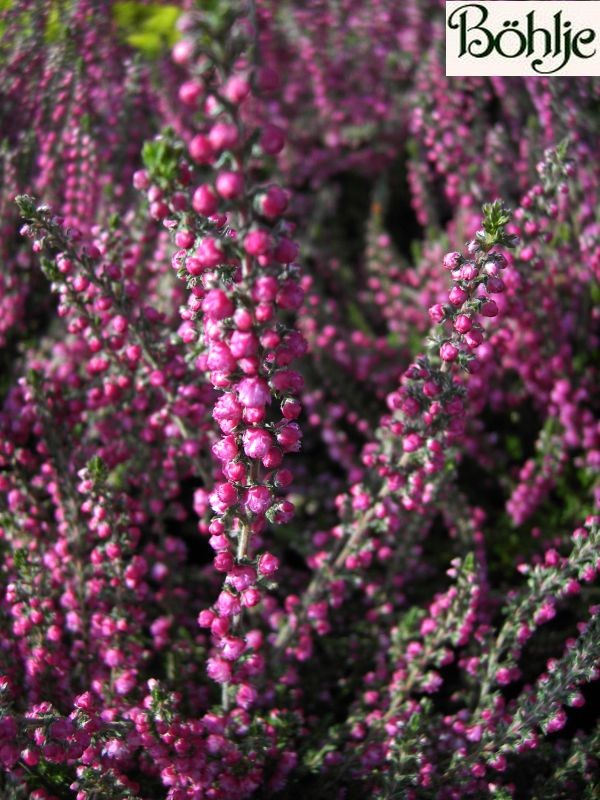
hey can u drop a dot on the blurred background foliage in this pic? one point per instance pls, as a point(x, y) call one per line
point(150, 28)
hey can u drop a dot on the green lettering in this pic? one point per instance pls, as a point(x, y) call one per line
point(591, 35)
point(458, 20)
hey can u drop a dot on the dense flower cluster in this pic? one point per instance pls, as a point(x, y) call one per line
point(299, 436)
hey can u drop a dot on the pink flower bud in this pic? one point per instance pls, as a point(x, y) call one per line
point(241, 578)
point(268, 564)
point(468, 272)
point(290, 296)
point(556, 722)
point(184, 239)
point(473, 338)
point(411, 442)
point(265, 288)
point(448, 352)
point(431, 389)
point(284, 478)
point(229, 185)
point(243, 344)
point(251, 597)
point(289, 437)
point(30, 757)
point(286, 251)
point(189, 93)
point(235, 471)
point(253, 392)
point(291, 409)
point(495, 285)
point(125, 682)
point(457, 296)
point(246, 696)
point(263, 312)
point(498, 763)
point(287, 380)
point(436, 313)
point(272, 139)
point(201, 150)
point(227, 409)
point(489, 309)
point(217, 305)
point(223, 562)
point(204, 200)
point(284, 512)
point(273, 203)
point(209, 253)
point(253, 414)
point(257, 442)
point(243, 319)
point(141, 181)
point(223, 136)
point(257, 242)
point(236, 89)
point(463, 323)
point(218, 669)
point(503, 676)
point(159, 210)
point(258, 499)
point(226, 448)
point(219, 358)
point(226, 493)
point(182, 51)
point(227, 605)
point(273, 458)
point(232, 647)
point(452, 260)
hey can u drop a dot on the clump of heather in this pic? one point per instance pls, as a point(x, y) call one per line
point(299, 433)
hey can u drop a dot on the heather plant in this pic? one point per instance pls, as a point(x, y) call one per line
point(299, 435)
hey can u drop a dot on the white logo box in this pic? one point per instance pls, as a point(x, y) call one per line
point(523, 38)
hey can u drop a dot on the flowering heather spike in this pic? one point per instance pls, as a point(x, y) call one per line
point(243, 295)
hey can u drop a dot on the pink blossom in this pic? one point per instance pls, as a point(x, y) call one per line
point(253, 392)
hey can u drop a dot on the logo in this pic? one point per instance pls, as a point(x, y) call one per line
point(510, 37)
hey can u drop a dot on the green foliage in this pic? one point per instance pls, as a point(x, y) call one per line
point(161, 159)
point(147, 28)
point(495, 217)
point(499, 793)
point(406, 752)
point(26, 205)
point(407, 628)
point(4, 6)
point(35, 380)
point(20, 560)
point(315, 757)
point(54, 777)
point(49, 268)
point(357, 318)
point(55, 23)
point(97, 470)
point(513, 446)
point(161, 705)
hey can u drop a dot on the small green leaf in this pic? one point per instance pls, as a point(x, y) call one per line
point(55, 28)
point(50, 269)
point(98, 470)
point(147, 42)
point(357, 318)
point(161, 159)
point(147, 28)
